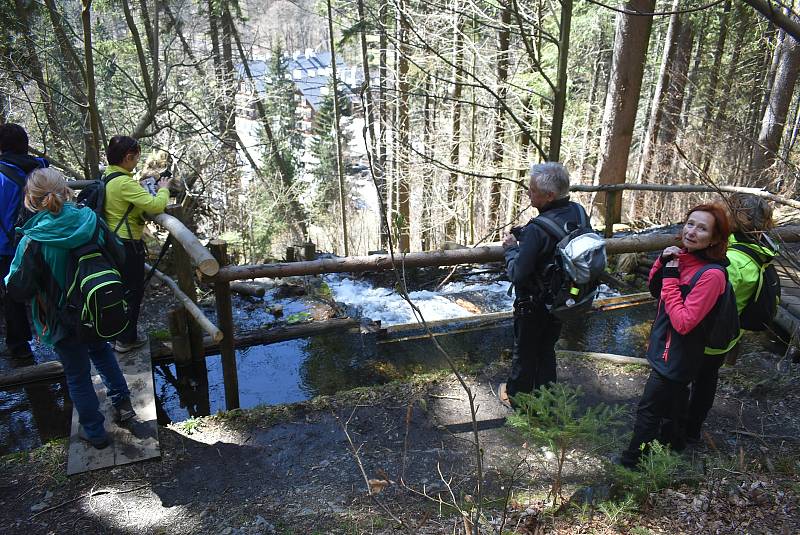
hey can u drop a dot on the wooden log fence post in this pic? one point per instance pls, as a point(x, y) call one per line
point(222, 292)
point(179, 331)
point(610, 203)
point(185, 276)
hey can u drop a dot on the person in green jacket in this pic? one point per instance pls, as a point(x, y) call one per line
point(750, 217)
point(38, 273)
point(126, 203)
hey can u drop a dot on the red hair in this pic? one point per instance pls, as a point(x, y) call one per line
point(722, 229)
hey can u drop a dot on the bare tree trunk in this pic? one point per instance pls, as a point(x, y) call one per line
point(560, 96)
point(630, 49)
point(76, 75)
point(383, 73)
point(598, 77)
point(337, 137)
point(455, 146)
point(694, 74)
point(675, 95)
point(227, 110)
point(24, 11)
point(661, 94)
point(374, 143)
point(503, 38)
point(428, 125)
point(403, 126)
point(713, 76)
point(90, 84)
point(775, 114)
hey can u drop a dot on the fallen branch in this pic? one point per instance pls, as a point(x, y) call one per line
point(762, 437)
point(89, 495)
point(191, 307)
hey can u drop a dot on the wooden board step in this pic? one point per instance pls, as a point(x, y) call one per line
point(134, 441)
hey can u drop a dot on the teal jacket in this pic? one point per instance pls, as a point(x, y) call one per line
point(39, 269)
point(744, 274)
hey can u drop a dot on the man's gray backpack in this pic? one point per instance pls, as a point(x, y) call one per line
point(570, 281)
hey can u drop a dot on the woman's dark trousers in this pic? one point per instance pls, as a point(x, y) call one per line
point(133, 277)
point(536, 332)
point(660, 415)
point(701, 398)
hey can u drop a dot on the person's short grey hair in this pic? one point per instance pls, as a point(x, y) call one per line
point(551, 177)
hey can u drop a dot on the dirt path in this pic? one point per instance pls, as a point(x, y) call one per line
point(292, 469)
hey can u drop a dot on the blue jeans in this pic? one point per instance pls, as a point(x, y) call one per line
point(76, 359)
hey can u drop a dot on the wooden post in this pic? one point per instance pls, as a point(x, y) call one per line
point(185, 276)
point(222, 291)
point(179, 331)
point(309, 251)
point(611, 201)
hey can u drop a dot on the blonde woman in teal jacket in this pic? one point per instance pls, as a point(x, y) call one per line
point(750, 217)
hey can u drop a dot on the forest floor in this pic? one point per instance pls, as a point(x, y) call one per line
point(303, 468)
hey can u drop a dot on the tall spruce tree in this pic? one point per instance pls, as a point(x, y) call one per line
point(323, 148)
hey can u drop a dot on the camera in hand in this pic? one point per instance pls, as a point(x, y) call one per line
point(516, 232)
point(166, 173)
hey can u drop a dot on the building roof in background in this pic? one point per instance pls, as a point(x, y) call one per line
point(310, 73)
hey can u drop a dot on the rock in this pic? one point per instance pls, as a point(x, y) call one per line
point(42, 505)
point(700, 503)
point(264, 526)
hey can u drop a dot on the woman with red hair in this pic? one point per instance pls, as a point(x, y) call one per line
point(687, 291)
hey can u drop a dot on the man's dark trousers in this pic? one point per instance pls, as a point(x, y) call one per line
point(132, 274)
point(536, 332)
point(18, 330)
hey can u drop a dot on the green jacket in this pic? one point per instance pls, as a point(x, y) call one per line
point(744, 274)
point(39, 269)
point(124, 191)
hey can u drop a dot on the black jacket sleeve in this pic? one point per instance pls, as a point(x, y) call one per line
point(522, 261)
point(26, 280)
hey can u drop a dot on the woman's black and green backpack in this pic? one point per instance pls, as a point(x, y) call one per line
point(95, 306)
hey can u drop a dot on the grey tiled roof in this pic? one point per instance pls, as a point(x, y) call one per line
point(310, 81)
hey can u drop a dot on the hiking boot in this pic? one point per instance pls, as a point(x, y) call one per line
point(96, 443)
point(124, 411)
point(124, 347)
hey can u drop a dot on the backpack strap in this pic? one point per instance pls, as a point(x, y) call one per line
point(112, 176)
point(757, 258)
point(106, 180)
point(705, 268)
point(13, 173)
point(551, 227)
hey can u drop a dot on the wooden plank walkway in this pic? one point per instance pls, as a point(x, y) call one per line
point(134, 441)
point(789, 311)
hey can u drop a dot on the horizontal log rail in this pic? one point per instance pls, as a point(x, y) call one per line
point(475, 255)
point(191, 308)
point(687, 188)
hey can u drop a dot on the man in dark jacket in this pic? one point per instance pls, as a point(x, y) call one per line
point(536, 331)
point(15, 166)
